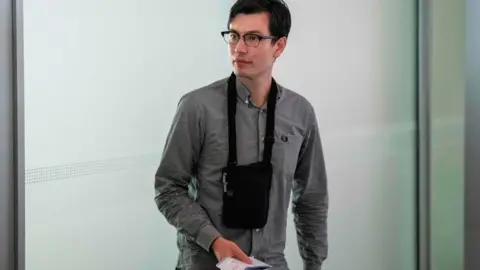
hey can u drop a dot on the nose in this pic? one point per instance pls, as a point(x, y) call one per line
point(241, 47)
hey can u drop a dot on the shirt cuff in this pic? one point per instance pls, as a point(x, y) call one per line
point(206, 236)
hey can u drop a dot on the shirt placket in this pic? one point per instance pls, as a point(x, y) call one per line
point(257, 234)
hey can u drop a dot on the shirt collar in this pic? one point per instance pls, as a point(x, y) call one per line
point(244, 93)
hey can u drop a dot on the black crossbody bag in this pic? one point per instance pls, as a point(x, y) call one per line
point(246, 193)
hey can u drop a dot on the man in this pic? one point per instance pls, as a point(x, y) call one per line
point(236, 150)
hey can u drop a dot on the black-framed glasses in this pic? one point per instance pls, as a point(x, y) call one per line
point(250, 39)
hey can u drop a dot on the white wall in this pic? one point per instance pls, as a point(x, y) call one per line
point(102, 82)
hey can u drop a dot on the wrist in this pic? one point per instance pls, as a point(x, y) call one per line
point(215, 242)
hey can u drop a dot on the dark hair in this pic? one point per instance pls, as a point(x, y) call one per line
point(280, 20)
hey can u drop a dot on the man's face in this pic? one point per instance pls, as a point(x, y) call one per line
point(248, 61)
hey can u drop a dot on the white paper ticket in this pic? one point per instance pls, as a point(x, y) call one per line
point(234, 264)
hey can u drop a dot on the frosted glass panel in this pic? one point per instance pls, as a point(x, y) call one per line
point(355, 63)
point(447, 109)
point(102, 80)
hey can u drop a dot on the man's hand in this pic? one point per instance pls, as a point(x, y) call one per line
point(223, 248)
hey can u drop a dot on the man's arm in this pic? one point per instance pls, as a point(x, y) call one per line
point(310, 199)
point(181, 153)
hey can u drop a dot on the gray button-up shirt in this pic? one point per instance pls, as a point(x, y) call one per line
point(188, 183)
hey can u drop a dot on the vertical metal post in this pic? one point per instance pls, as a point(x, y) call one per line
point(472, 138)
point(7, 138)
point(19, 132)
point(423, 134)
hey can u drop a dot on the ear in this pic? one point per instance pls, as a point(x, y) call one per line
point(280, 47)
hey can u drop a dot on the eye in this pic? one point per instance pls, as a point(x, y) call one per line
point(233, 36)
point(252, 37)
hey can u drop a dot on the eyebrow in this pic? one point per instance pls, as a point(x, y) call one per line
point(248, 32)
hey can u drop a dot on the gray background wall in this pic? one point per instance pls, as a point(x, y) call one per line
point(6, 138)
point(472, 186)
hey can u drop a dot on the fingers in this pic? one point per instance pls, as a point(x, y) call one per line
point(219, 256)
point(239, 254)
point(224, 249)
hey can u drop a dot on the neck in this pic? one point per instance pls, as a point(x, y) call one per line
point(259, 88)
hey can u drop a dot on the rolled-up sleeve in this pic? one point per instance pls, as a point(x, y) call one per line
point(177, 165)
point(310, 199)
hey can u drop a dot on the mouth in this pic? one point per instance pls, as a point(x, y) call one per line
point(242, 62)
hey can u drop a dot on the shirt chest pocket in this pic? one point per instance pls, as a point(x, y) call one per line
point(285, 152)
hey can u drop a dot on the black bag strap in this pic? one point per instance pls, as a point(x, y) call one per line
point(269, 136)
point(232, 110)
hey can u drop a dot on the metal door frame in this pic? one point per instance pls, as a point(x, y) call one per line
point(7, 224)
point(423, 134)
point(12, 167)
point(472, 138)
